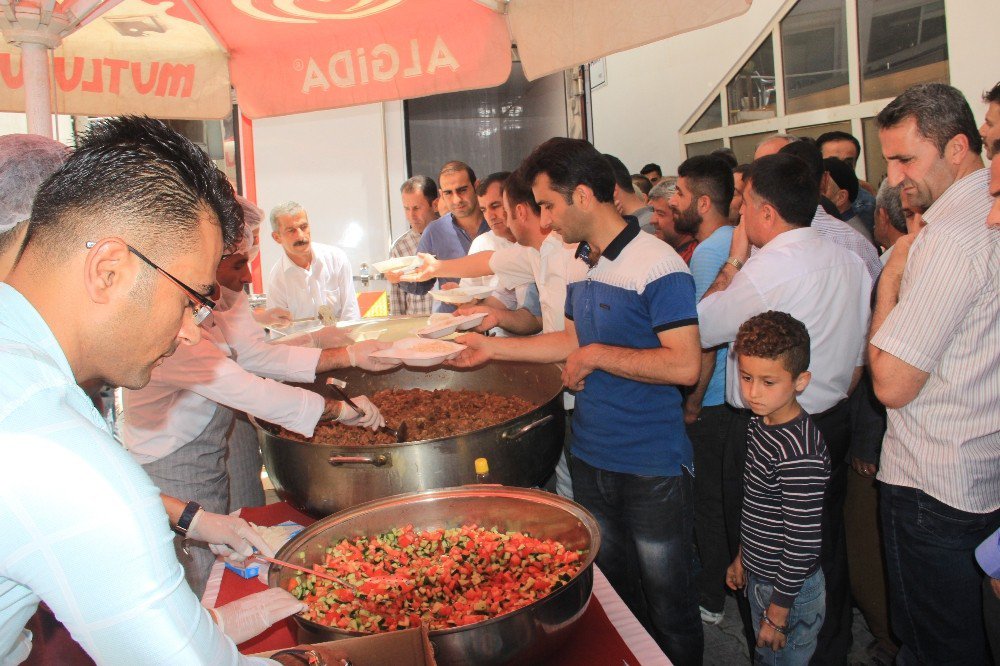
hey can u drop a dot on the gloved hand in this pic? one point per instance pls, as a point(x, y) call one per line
point(371, 419)
point(245, 618)
point(273, 317)
point(328, 336)
point(229, 536)
point(360, 355)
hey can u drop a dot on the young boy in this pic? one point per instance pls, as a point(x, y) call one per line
point(787, 469)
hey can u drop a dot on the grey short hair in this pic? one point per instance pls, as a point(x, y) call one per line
point(664, 188)
point(888, 199)
point(422, 184)
point(790, 138)
point(287, 208)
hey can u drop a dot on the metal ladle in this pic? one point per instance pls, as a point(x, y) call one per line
point(399, 433)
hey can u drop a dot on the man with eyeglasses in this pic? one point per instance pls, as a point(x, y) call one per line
point(117, 266)
point(178, 426)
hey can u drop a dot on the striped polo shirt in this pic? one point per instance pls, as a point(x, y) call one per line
point(638, 288)
point(787, 469)
point(946, 441)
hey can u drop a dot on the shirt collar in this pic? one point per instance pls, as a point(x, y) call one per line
point(955, 194)
point(615, 247)
point(791, 236)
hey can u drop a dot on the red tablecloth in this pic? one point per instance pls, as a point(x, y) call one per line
point(595, 640)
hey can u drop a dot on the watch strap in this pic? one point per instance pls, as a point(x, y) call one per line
point(736, 263)
point(187, 516)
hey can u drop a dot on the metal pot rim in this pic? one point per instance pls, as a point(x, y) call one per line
point(528, 494)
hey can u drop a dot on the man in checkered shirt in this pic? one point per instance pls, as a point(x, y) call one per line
point(420, 195)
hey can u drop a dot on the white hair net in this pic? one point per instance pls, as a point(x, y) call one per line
point(249, 243)
point(26, 160)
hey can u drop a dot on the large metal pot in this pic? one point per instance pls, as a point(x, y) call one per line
point(524, 636)
point(323, 479)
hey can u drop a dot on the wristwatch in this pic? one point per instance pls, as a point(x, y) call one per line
point(735, 262)
point(187, 516)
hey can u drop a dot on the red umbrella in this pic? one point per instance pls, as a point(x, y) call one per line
point(178, 59)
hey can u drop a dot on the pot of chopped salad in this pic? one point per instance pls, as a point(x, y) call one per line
point(498, 574)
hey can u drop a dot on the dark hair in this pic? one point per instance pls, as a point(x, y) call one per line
point(808, 153)
point(888, 199)
point(134, 176)
point(837, 135)
point(726, 155)
point(623, 178)
point(709, 176)
point(742, 170)
point(568, 163)
point(786, 182)
point(456, 166)
point(426, 186)
point(843, 175)
point(941, 113)
point(652, 166)
point(641, 183)
point(485, 183)
point(518, 191)
point(776, 336)
point(992, 95)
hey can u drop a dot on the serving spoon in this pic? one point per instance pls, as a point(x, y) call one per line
point(399, 433)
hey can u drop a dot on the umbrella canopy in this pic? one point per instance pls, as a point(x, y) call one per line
point(178, 59)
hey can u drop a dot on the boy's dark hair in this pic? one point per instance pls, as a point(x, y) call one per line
point(941, 113)
point(485, 183)
point(777, 336)
point(623, 178)
point(710, 176)
point(837, 135)
point(785, 182)
point(518, 191)
point(136, 177)
point(649, 168)
point(571, 162)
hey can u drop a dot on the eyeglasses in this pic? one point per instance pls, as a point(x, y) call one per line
point(204, 305)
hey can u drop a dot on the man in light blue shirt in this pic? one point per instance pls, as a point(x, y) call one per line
point(700, 207)
point(120, 258)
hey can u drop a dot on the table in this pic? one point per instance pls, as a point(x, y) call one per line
point(608, 633)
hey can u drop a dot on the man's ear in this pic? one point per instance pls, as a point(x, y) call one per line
point(956, 149)
point(277, 238)
point(108, 270)
point(704, 204)
point(583, 196)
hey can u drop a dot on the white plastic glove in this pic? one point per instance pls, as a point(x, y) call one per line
point(229, 536)
point(272, 317)
point(328, 336)
point(360, 355)
point(245, 618)
point(372, 417)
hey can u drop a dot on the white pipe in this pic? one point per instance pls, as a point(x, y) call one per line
point(37, 99)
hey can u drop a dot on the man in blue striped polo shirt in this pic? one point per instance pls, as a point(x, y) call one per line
point(631, 338)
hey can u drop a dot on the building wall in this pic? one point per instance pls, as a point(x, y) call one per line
point(652, 90)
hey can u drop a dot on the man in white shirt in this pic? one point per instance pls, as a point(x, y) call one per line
point(935, 363)
point(310, 278)
point(177, 426)
point(84, 529)
point(825, 287)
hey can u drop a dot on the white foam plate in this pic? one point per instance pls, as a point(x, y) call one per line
point(461, 295)
point(443, 327)
point(420, 352)
point(407, 263)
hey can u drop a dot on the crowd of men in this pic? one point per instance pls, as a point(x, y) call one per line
point(776, 367)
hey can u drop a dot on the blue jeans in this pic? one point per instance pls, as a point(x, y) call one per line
point(935, 597)
point(804, 619)
point(647, 545)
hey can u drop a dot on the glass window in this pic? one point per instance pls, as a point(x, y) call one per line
point(902, 42)
point(814, 52)
point(711, 119)
point(751, 91)
point(745, 146)
point(875, 164)
point(704, 147)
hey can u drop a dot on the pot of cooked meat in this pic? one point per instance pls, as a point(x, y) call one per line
point(500, 575)
point(509, 413)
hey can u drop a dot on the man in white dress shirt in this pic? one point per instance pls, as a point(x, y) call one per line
point(827, 288)
point(935, 364)
point(309, 276)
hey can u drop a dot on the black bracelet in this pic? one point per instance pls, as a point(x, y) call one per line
point(781, 630)
point(184, 522)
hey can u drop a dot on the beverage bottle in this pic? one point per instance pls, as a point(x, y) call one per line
point(482, 470)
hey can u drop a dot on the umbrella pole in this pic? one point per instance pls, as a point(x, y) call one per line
point(37, 88)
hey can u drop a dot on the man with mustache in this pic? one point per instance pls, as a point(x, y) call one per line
point(309, 276)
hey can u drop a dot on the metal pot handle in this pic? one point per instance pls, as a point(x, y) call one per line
point(524, 430)
point(380, 460)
